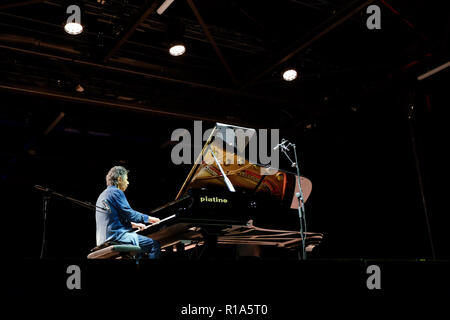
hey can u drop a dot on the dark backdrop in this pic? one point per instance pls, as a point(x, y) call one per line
point(365, 199)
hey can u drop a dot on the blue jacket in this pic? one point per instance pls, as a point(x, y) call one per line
point(114, 221)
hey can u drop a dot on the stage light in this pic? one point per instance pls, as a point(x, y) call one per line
point(175, 37)
point(73, 24)
point(79, 88)
point(164, 6)
point(290, 75)
point(177, 50)
point(73, 28)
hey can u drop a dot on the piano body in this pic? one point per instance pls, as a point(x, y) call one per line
point(209, 212)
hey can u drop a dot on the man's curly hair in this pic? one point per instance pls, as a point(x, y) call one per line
point(114, 174)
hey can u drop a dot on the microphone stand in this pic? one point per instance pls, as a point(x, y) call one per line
point(48, 193)
point(419, 178)
point(46, 200)
point(299, 195)
point(301, 206)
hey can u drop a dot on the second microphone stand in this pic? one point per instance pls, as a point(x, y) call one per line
point(284, 146)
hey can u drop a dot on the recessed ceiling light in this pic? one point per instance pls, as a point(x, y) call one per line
point(73, 22)
point(290, 75)
point(177, 50)
point(73, 28)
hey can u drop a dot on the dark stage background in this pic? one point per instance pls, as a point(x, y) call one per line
point(365, 196)
point(71, 107)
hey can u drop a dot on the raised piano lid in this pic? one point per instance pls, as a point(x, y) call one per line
point(230, 145)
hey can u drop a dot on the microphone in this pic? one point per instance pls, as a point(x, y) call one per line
point(281, 145)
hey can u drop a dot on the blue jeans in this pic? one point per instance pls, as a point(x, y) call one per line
point(150, 248)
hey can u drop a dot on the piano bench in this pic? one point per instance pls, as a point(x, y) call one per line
point(114, 251)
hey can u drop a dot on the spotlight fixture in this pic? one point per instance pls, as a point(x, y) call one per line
point(79, 88)
point(73, 28)
point(73, 24)
point(177, 50)
point(174, 34)
point(290, 75)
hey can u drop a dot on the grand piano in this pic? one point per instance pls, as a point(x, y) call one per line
point(228, 200)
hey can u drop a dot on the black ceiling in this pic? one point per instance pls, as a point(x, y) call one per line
point(122, 61)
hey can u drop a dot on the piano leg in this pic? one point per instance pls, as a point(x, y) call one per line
point(209, 246)
point(180, 249)
point(248, 252)
point(175, 252)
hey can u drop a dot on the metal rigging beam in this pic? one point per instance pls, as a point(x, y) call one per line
point(147, 9)
point(211, 40)
point(19, 4)
point(328, 25)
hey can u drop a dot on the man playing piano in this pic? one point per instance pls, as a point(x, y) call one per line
point(116, 220)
